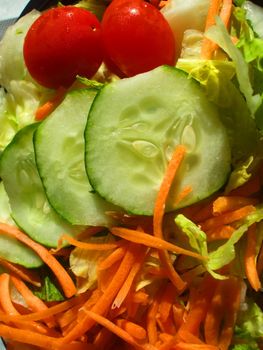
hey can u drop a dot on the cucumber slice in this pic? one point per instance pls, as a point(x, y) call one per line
point(30, 208)
point(133, 127)
point(59, 149)
point(11, 249)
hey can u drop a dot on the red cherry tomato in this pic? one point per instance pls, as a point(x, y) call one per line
point(136, 37)
point(62, 43)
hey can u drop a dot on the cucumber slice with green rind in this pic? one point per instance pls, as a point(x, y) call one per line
point(59, 149)
point(11, 249)
point(30, 208)
point(133, 127)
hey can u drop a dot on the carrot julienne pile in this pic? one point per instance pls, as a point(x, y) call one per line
point(177, 310)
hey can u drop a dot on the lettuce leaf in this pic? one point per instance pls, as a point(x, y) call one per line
point(219, 34)
point(249, 325)
point(223, 254)
point(48, 290)
point(215, 78)
point(12, 65)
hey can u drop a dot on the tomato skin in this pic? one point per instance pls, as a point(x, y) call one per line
point(62, 43)
point(136, 37)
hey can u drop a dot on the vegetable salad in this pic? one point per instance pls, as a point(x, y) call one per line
point(131, 166)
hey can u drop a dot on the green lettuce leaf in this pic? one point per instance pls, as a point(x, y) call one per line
point(48, 290)
point(223, 254)
point(215, 78)
point(249, 325)
point(219, 34)
point(97, 7)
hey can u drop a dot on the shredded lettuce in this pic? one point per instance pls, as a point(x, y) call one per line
point(219, 34)
point(97, 7)
point(48, 290)
point(12, 65)
point(215, 77)
point(223, 254)
point(249, 326)
point(83, 263)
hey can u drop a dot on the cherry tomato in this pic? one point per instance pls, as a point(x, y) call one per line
point(62, 43)
point(136, 37)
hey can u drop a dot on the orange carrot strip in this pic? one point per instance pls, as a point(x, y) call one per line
point(232, 305)
point(208, 46)
point(226, 11)
point(5, 297)
point(185, 192)
point(166, 302)
point(114, 328)
point(151, 324)
point(53, 310)
point(227, 218)
point(25, 274)
point(136, 330)
point(228, 203)
point(159, 211)
point(114, 257)
point(32, 301)
point(87, 246)
point(126, 287)
point(27, 337)
point(214, 316)
point(201, 298)
point(178, 314)
point(151, 241)
point(103, 304)
point(188, 337)
point(60, 273)
point(68, 316)
point(221, 232)
point(43, 111)
point(250, 259)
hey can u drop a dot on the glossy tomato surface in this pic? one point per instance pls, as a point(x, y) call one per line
point(62, 43)
point(136, 37)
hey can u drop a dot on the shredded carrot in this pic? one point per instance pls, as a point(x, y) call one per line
point(60, 273)
point(111, 259)
point(87, 246)
point(166, 302)
point(227, 218)
point(104, 303)
point(5, 297)
point(214, 316)
point(199, 302)
point(137, 331)
point(260, 261)
point(151, 241)
point(151, 322)
point(33, 302)
point(183, 194)
point(159, 211)
point(125, 289)
point(250, 258)
point(25, 274)
point(51, 311)
point(208, 47)
point(228, 203)
point(232, 305)
point(114, 328)
point(48, 107)
point(219, 233)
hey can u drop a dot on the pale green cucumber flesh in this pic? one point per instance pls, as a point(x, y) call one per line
point(30, 208)
point(11, 249)
point(133, 128)
point(59, 149)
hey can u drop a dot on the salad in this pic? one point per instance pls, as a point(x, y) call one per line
point(131, 166)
